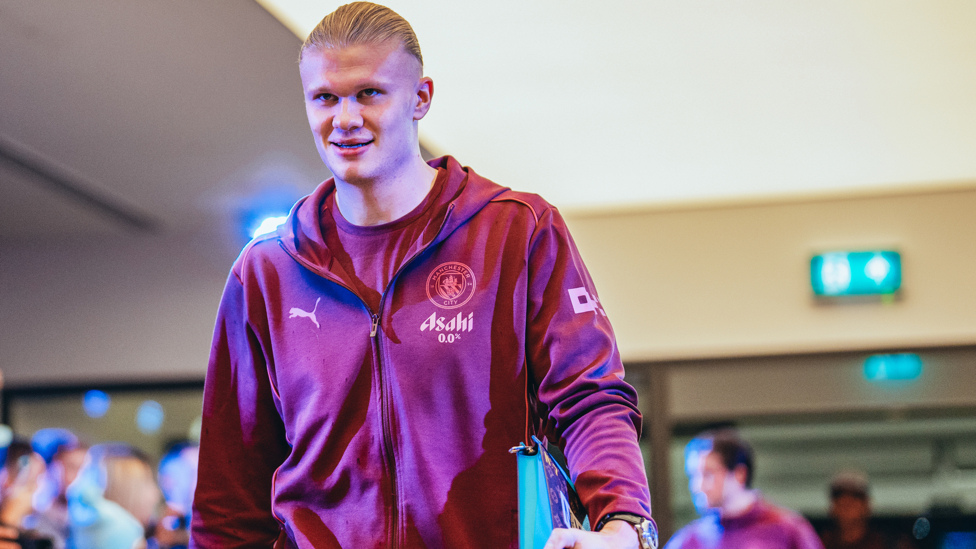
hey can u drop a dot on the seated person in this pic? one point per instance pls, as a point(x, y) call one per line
point(113, 500)
point(177, 480)
point(64, 455)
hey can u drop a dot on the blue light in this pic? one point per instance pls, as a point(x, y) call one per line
point(268, 225)
point(855, 273)
point(150, 417)
point(96, 403)
point(894, 367)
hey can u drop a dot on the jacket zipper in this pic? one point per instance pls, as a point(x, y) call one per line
point(387, 414)
point(388, 408)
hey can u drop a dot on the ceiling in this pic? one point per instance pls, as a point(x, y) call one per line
point(156, 116)
point(620, 102)
point(169, 116)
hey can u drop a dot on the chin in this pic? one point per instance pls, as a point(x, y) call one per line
point(350, 172)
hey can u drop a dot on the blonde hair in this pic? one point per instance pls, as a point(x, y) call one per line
point(362, 23)
point(129, 482)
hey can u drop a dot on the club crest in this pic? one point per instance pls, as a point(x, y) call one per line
point(450, 285)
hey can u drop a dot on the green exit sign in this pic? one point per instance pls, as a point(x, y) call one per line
point(855, 273)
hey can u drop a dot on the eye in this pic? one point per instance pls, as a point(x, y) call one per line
point(369, 92)
point(324, 98)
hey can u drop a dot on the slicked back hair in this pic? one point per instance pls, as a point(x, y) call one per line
point(731, 448)
point(362, 23)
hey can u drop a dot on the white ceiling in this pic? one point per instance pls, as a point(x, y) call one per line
point(169, 116)
point(624, 101)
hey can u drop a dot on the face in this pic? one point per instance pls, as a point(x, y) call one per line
point(71, 462)
point(849, 509)
point(707, 477)
point(363, 103)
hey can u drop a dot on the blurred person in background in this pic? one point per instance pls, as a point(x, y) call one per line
point(18, 484)
point(177, 480)
point(734, 516)
point(114, 499)
point(64, 455)
point(850, 510)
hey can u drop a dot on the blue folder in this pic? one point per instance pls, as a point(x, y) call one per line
point(547, 497)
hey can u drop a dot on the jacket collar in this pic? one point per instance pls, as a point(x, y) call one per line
point(465, 193)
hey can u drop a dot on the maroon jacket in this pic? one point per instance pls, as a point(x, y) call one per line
point(336, 426)
point(763, 526)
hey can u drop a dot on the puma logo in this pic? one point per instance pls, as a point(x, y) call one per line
point(295, 311)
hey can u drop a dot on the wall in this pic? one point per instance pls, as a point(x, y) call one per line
point(678, 283)
point(712, 390)
point(138, 308)
point(733, 279)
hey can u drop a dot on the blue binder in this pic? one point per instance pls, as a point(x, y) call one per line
point(547, 497)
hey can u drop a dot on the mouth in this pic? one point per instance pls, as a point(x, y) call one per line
point(350, 145)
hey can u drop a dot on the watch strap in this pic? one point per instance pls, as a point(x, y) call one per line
point(646, 528)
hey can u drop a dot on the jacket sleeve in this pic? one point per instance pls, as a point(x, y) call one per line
point(576, 369)
point(242, 439)
point(806, 536)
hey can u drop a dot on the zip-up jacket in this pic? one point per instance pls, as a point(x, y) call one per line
point(327, 424)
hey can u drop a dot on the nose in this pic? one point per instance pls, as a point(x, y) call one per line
point(349, 116)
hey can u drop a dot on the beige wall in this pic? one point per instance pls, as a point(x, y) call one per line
point(125, 309)
point(691, 282)
point(711, 390)
point(733, 279)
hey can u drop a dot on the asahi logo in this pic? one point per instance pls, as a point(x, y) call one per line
point(450, 285)
point(450, 328)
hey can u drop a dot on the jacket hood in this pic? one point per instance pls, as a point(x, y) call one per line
point(465, 193)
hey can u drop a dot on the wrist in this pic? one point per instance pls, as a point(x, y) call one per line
point(642, 528)
point(621, 533)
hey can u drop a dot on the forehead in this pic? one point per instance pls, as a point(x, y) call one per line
point(387, 62)
point(698, 461)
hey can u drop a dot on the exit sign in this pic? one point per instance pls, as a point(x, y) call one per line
point(855, 273)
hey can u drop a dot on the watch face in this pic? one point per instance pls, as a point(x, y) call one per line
point(647, 531)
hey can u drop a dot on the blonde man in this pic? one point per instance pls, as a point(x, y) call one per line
point(376, 357)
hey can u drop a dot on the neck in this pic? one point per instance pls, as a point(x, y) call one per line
point(379, 201)
point(738, 503)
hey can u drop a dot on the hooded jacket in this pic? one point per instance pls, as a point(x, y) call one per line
point(327, 424)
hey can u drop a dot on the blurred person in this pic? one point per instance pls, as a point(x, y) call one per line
point(18, 484)
point(113, 500)
point(719, 465)
point(49, 441)
point(850, 511)
point(375, 358)
point(65, 456)
point(177, 480)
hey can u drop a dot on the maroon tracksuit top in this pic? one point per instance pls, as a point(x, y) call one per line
point(327, 423)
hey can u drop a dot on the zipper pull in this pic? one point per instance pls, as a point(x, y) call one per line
point(374, 325)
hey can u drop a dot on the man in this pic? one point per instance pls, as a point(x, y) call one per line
point(375, 359)
point(720, 469)
point(850, 509)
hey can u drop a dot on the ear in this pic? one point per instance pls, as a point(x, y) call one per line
point(425, 93)
point(741, 473)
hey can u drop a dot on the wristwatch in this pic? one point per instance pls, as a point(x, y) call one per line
point(646, 528)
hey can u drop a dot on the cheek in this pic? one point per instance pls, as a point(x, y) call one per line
point(317, 120)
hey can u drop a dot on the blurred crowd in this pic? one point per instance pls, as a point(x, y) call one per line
point(55, 491)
